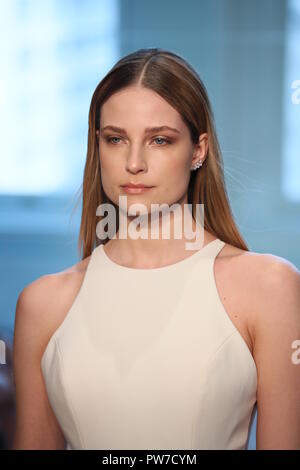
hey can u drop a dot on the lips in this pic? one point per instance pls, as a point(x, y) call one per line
point(135, 186)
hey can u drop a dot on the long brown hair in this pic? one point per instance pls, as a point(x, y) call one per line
point(169, 75)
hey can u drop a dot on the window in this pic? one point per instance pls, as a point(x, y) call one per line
point(53, 54)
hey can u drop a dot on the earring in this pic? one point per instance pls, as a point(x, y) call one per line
point(197, 165)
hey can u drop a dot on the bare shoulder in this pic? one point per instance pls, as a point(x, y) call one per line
point(248, 281)
point(267, 287)
point(261, 269)
point(265, 272)
point(263, 282)
point(276, 290)
point(43, 303)
point(41, 306)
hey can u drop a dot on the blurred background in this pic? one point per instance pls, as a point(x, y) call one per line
point(53, 55)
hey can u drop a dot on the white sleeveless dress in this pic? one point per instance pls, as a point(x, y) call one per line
point(150, 359)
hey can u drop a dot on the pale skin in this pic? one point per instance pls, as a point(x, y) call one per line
point(260, 292)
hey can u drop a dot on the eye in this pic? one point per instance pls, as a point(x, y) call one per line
point(161, 139)
point(109, 139)
point(168, 141)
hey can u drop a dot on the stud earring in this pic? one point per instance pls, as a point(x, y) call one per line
point(197, 165)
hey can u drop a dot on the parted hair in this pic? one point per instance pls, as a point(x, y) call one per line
point(174, 79)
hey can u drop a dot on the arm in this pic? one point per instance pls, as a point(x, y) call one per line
point(36, 424)
point(276, 327)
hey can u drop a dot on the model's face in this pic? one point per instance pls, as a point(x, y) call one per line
point(159, 158)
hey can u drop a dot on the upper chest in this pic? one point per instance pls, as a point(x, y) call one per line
point(232, 277)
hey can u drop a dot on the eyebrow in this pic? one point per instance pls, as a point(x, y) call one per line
point(147, 130)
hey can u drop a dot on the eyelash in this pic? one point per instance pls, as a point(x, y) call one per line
point(168, 141)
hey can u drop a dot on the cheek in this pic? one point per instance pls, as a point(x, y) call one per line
point(174, 184)
point(174, 164)
point(110, 168)
point(105, 161)
point(181, 161)
point(178, 173)
point(109, 176)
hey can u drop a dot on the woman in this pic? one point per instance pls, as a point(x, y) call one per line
point(143, 345)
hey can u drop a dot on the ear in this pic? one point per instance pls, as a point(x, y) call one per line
point(97, 133)
point(200, 149)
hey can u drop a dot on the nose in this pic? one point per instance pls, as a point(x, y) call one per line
point(135, 161)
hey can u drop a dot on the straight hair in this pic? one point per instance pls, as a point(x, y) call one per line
point(174, 79)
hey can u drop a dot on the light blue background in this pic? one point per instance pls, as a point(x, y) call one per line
point(53, 54)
